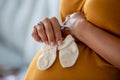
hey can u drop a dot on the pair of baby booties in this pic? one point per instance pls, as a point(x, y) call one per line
point(68, 54)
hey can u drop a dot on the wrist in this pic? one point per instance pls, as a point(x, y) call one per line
point(83, 30)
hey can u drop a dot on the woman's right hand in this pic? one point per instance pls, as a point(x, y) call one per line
point(48, 31)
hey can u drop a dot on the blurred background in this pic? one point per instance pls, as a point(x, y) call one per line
point(17, 47)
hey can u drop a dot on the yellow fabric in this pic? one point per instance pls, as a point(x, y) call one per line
point(103, 13)
point(89, 66)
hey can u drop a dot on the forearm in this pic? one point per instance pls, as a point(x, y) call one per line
point(103, 43)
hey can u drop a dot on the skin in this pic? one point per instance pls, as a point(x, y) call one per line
point(103, 43)
point(48, 31)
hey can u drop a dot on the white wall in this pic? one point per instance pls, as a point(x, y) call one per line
point(17, 18)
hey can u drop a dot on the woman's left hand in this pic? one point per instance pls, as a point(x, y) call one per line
point(76, 23)
point(103, 43)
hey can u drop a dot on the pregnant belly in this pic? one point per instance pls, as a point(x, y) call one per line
point(89, 66)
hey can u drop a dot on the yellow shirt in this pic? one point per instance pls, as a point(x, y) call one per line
point(89, 66)
point(103, 13)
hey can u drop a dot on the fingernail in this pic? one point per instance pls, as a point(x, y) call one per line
point(59, 42)
point(52, 43)
point(46, 42)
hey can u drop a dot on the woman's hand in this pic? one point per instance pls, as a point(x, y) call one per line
point(48, 31)
point(103, 43)
point(76, 23)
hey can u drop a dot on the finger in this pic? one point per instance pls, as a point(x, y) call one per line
point(41, 32)
point(49, 31)
point(82, 14)
point(57, 30)
point(66, 20)
point(78, 14)
point(35, 35)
